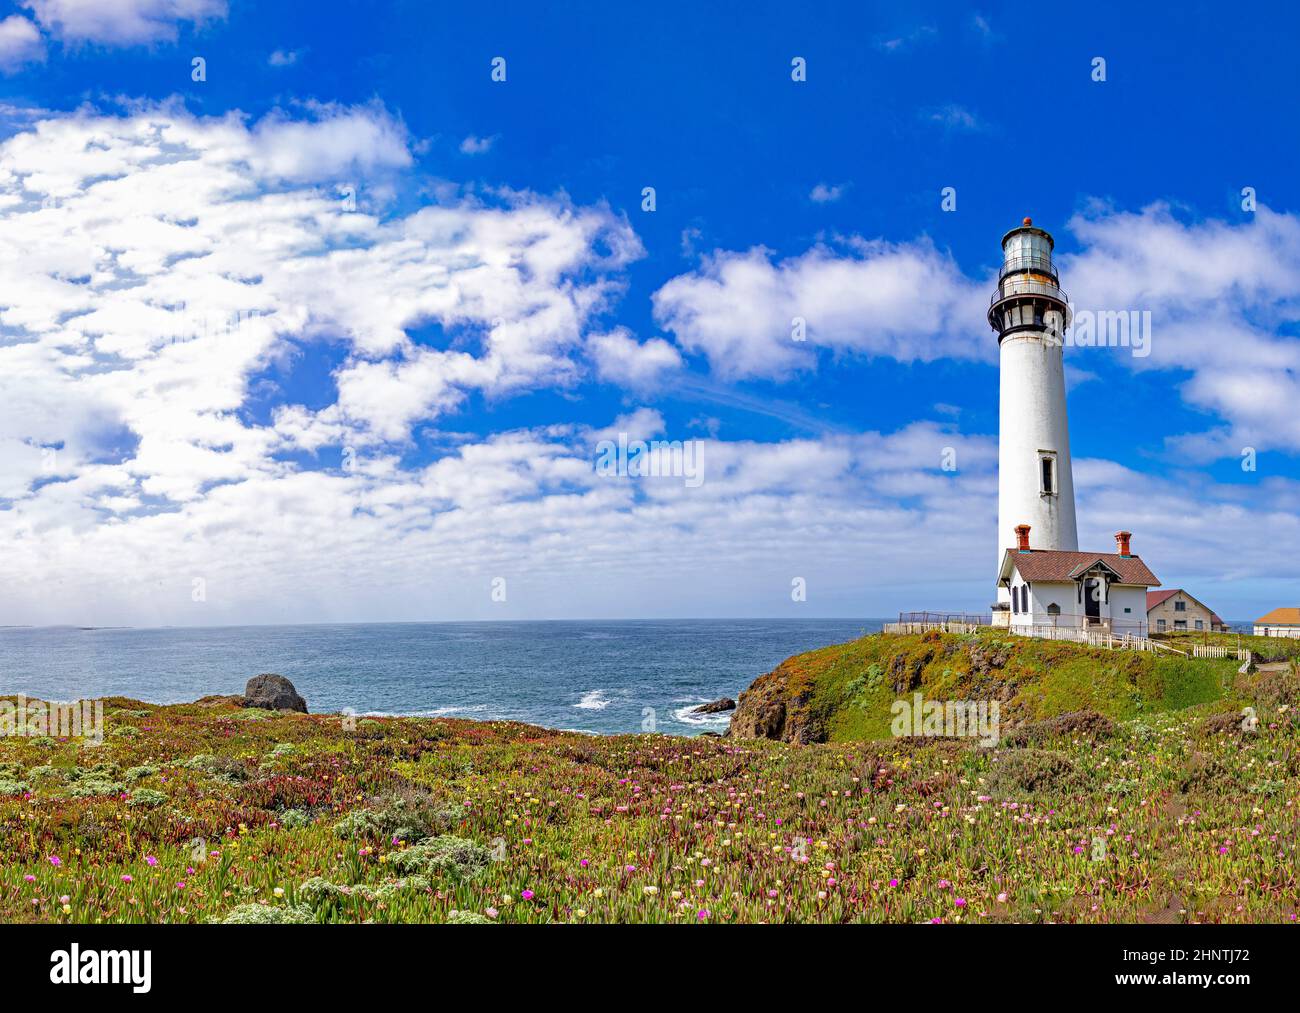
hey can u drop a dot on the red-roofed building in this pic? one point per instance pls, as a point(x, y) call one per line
point(1173, 609)
point(1103, 591)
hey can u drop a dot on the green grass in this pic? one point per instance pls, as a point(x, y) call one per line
point(1265, 648)
point(852, 688)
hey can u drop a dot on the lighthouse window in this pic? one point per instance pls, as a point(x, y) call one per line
point(1047, 462)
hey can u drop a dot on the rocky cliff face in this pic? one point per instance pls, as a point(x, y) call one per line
point(772, 709)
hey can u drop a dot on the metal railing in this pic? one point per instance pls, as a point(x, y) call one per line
point(1043, 264)
point(967, 618)
point(1011, 289)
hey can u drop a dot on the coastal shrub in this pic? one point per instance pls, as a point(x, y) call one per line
point(139, 773)
point(444, 854)
point(360, 823)
point(146, 798)
point(9, 786)
point(319, 893)
point(409, 884)
point(255, 714)
point(89, 787)
point(467, 918)
point(295, 819)
point(46, 775)
point(265, 914)
point(1032, 770)
point(406, 814)
point(227, 767)
point(104, 769)
point(125, 732)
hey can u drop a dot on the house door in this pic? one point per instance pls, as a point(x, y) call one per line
point(1092, 600)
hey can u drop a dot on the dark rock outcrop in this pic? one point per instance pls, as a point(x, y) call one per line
point(273, 692)
point(771, 709)
point(715, 706)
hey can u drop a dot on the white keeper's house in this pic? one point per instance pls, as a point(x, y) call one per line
point(1052, 583)
point(1101, 591)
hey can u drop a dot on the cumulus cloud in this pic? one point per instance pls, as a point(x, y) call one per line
point(155, 264)
point(1223, 298)
point(825, 193)
point(472, 145)
point(621, 359)
point(20, 44)
point(122, 22)
point(742, 310)
point(160, 271)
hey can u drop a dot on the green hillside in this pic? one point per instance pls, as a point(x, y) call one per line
point(845, 692)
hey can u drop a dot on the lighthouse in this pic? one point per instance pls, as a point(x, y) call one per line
point(1030, 314)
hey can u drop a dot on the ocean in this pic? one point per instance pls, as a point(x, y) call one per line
point(591, 676)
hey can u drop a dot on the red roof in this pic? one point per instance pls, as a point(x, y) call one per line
point(1154, 598)
point(1055, 564)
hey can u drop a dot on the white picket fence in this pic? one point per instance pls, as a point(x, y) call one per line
point(1220, 651)
point(1074, 634)
point(1095, 638)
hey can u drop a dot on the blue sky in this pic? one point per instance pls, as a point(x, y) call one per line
point(499, 301)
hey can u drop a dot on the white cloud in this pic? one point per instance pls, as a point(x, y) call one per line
point(621, 359)
point(956, 118)
point(284, 57)
point(159, 269)
point(907, 40)
point(122, 22)
point(155, 263)
point(1222, 297)
point(20, 44)
point(907, 301)
point(472, 145)
point(824, 193)
point(336, 142)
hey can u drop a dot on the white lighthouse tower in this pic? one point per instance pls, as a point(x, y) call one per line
point(1030, 313)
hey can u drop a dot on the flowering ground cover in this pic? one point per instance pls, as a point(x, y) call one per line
point(197, 812)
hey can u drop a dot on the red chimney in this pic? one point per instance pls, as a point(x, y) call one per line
point(1022, 537)
point(1121, 542)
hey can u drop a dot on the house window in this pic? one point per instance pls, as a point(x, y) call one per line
point(1180, 624)
point(1128, 610)
point(1047, 465)
point(1200, 625)
point(1160, 625)
point(1180, 606)
point(1053, 609)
